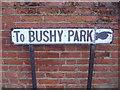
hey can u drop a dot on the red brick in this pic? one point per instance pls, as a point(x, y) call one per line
point(106, 61)
point(83, 81)
point(102, 54)
point(67, 68)
point(27, 25)
point(70, 55)
point(54, 18)
point(70, 47)
point(8, 25)
point(54, 48)
point(10, 74)
point(83, 47)
point(14, 81)
point(71, 62)
point(47, 55)
point(8, 11)
point(84, 4)
point(9, 54)
point(6, 4)
point(23, 54)
point(26, 61)
point(113, 81)
point(54, 4)
point(26, 11)
point(83, 68)
point(39, 48)
point(50, 62)
point(76, 86)
point(31, 18)
point(19, 86)
point(105, 86)
point(55, 75)
point(76, 75)
point(107, 47)
point(13, 62)
point(115, 54)
point(86, 11)
point(115, 26)
point(13, 18)
point(40, 75)
point(48, 68)
point(85, 54)
point(5, 68)
point(106, 74)
point(6, 34)
point(27, 81)
point(11, 48)
point(108, 19)
point(5, 80)
point(69, 11)
point(87, 18)
point(6, 41)
point(24, 68)
point(13, 68)
point(115, 41)
point(68, 81)
point(41, 86)
point(47, 11)
point(114, 19)
point(85, 61)
point(105, 68)
point(105, 11)
point(48, 81)
point(54, 86)
point(70, 18)
point(14, 74)
point(116, 33)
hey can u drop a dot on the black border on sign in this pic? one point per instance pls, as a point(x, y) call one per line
point(64, 28)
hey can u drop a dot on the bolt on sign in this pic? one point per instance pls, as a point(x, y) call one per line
point(27, 36)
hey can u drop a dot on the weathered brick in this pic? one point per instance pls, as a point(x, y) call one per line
point(7, 11)
point(47, 55)
point(76, 75)
point(48, 11)
point(26, 11)
point(55, 86)
point(13, 62)
point(106, 68)
point(68, 81)
point(106, 61)
point(87, 18)
point(54, 18)
point(31, 18)
point(71, 62)
point(105, 81)
point(55, 75)
point(14, 18)
point(50, 62)
point(8, 25)
point(48, 68)
point(70, 55)
point(70, 18)
point(47, 81)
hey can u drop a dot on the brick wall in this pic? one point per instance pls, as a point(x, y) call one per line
point(59, 66)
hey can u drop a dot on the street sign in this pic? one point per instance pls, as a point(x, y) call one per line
point(27, 36)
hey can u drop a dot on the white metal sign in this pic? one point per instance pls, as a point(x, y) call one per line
point(22, 36)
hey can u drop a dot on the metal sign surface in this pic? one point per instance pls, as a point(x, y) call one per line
point(27, 36)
